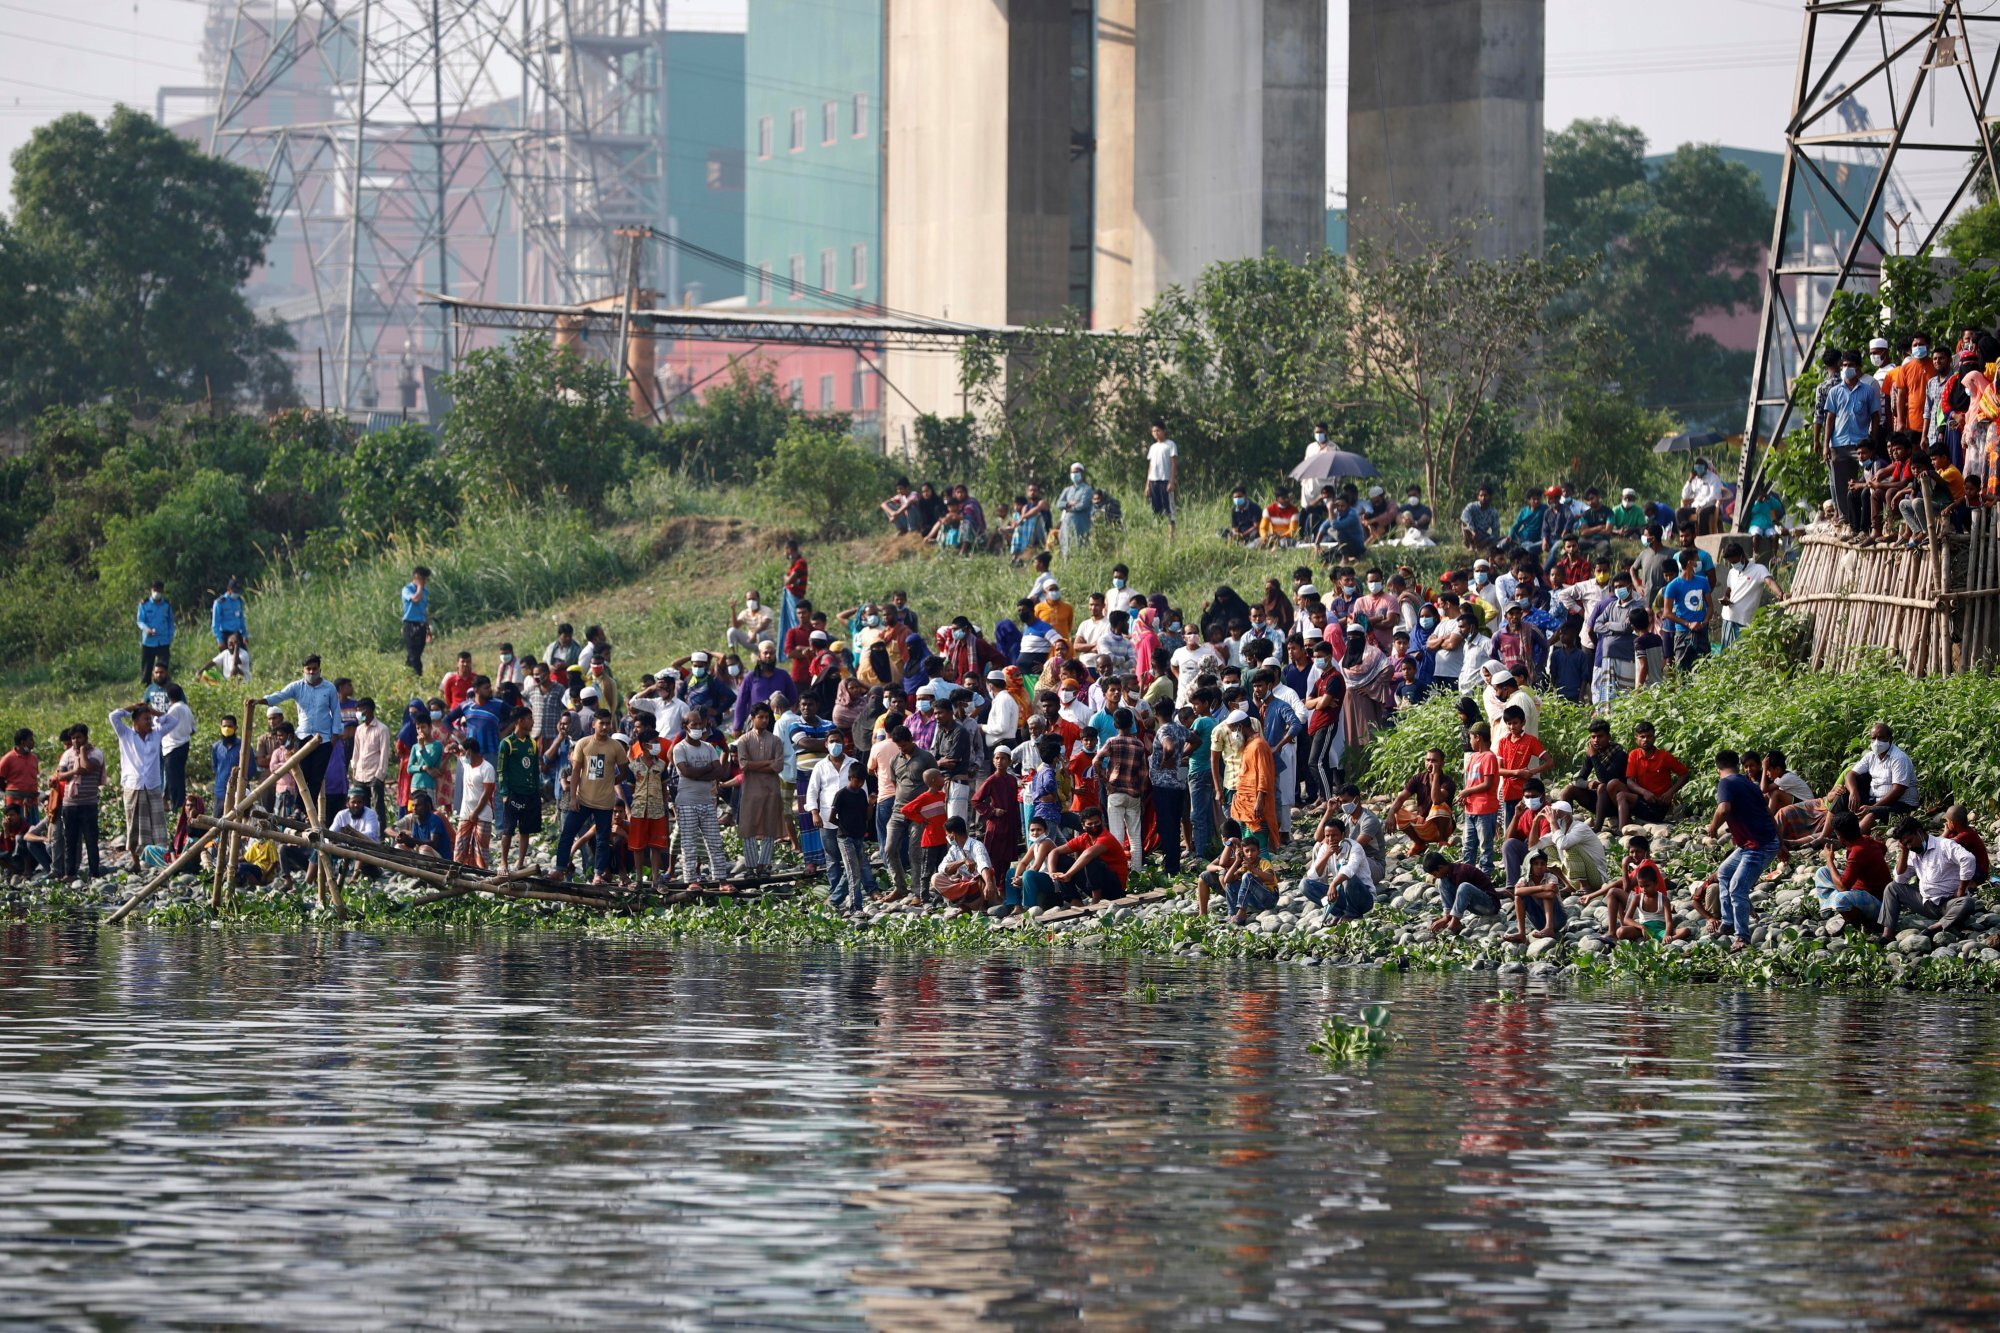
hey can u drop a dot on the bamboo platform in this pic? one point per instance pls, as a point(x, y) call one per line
point(1933, 610)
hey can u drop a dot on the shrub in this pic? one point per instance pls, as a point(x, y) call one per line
point(831, 479)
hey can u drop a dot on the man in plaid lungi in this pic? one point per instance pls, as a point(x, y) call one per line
point(699, 766)
point(140, 779)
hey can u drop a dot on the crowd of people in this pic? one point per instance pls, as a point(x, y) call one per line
point(1051, 758)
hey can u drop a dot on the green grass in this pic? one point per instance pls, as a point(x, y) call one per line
point(661, 572)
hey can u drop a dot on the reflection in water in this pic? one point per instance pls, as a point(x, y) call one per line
point(522, 1131)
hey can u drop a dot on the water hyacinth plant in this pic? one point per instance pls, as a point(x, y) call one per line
point(1363, 1038)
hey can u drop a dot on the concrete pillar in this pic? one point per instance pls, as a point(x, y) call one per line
point(1229, 145)
point(976, 197)
point(1444, 116)
point(1117, 72)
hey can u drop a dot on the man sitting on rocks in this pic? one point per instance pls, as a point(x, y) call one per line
point(1852, 888)
point(1881, 785)
point(1255, 887)
point(1934, 878)
point(1540, 888)
point(1093, 862)
point(1339, 875)
point(1462, 888)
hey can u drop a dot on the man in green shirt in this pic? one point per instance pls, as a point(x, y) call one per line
point(520, 779)
point(1628, 516)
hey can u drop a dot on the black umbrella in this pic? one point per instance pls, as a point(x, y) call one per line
point(1686, 443)
point(1332, 462)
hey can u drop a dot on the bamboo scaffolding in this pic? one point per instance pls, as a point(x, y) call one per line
point(195, 845)
point(1931, 607)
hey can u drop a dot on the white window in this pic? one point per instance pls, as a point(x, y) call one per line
point(826, 403)
point(829, 121)
point(798, 275)
point(765, 134)
point(859, 127)
point(858, 266)
point(798, 129)
point(795, 390)
point(763, 284)
point(828, 275)
point(860, 389)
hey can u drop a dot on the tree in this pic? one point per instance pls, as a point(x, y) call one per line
point(733, 427)
point(129, 249)
point(823, 473)
point(532, 420)
point(1440, 336)
point(1673, 241)
point(1063, 393)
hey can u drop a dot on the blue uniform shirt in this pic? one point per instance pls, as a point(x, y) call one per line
point(416, 602)
point(319, 707)
point(157, 616)
point(1853, 408)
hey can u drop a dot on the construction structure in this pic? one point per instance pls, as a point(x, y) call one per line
point(1905, 91)
point(1933, 610)
point(1444, 121)
point(486, 147)
point(1084, 155)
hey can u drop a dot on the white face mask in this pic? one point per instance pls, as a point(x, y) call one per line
point(1533, 802)
point(1068, 696)
point(750, 603)
point(1881, 747)
point(735, 670)
point(696, 733)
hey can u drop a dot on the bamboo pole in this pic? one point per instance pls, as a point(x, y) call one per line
point(226, 856)
point(195, 846)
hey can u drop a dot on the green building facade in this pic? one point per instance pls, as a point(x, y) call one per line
point(812, 153)
point(704, 164)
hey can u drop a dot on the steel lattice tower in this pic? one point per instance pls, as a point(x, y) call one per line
point(476, 148)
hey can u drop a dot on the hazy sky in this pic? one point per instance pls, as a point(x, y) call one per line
point(1700, 70)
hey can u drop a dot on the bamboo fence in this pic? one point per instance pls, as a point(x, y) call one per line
point(1931, 609)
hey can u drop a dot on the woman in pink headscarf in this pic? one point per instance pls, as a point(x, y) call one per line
point(1146, 643)
point(1371, 688)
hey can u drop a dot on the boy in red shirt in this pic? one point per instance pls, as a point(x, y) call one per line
point(1652, 777)
point(1480, 798)
point(1083, 775)
point(927, 809)
point(1093, 862)
point(1521, 756)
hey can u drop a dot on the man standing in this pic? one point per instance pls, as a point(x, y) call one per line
point(369, 770)
point(595, 764)
point(1124, 762)
point(1744, 589)
point(225, 616)
point(1162, 471)
point(156, 631)
point(519, 770)
point(1741, 805)
point(416, 618)
point(176, 731)
point(319, 715)
point(1854, 409)
point(141, 781)
point(1074, 505)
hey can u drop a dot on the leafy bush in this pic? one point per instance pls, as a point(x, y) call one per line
point(531, 420)
point(827, 477)
point(194, 538)
point(725, 435)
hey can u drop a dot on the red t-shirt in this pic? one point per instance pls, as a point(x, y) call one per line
point(1083, 781)
point(20, 772)
point(1966, 838)
point(1481, 764)
point(799, 637)
point(1655, 772)
point(928, 808)
point(454, 689)
point(795, 578)
point(1113, 854)
point(1516, 752)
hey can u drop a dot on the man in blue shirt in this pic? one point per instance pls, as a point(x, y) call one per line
point(1685, 601)
point(1740, 804)
point(226, 615)
point(1342, 531)
point(416, 618)
point(319, 715)
point(1853, 410)
point(156, 631)
point(423, 829)
point(483, 715)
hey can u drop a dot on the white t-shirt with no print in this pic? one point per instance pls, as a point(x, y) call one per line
point(472, 785)
point(1160, 460)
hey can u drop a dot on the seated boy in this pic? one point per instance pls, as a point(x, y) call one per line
point(1541, 887)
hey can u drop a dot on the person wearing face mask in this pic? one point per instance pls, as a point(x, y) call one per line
point(1378, 608)
point(1878, 361)
point(765, 680)
point(1244, 519)
point(1744, 588)
point(698, 760)
point(1580, 851)
point(1854, 411)
point(1701, 498)
point(752, 626)
point(156, 631)
point(1616, 667)
point(1905, 384)
point(318, 706)
point(1073, 505)
point(1655, 566)
point(1881, 785)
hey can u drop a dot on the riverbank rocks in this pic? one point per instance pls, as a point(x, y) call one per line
point(1543, 945)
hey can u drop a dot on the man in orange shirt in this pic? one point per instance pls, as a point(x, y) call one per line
point(1905, 386)
point(1255, 805)
point(1652, 777)
point(927, 810)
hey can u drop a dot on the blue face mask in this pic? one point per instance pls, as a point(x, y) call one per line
point(1622, 594)
point(1428, 622)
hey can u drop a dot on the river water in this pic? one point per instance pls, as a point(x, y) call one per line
point(311, 1131)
